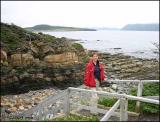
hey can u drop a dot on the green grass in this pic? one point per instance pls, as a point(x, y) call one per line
point(47, 37)
point(84, 59)
point(109, 102)
point(72, 117)
point(19, 120)
point(13, 37)
point(78, 46)
point(149, 89)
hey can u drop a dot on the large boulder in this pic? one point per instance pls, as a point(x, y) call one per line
point(16, 59)
point(19, 59)
point(60, 58)
point(27, 58)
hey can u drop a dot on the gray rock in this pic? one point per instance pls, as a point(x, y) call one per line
point(114, 86)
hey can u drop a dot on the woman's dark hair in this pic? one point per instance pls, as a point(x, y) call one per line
point(94, 53)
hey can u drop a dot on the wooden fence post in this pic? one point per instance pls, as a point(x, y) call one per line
point(123, 109)
point(67, 102)
point(139, 94)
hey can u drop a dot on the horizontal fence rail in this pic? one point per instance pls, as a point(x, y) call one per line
point(117, 95)
point(143, 81)
point(152, 97)
point(142, 99)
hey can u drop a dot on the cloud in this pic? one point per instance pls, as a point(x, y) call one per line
point(79, 13)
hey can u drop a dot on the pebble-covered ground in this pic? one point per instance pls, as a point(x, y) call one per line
point(14, 104)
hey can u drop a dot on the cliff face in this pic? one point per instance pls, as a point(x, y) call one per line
point(35, 61)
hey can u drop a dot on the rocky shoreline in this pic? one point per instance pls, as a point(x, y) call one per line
point(116, 67)
point(119, 66)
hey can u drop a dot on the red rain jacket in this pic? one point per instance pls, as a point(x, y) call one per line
point(89, 79)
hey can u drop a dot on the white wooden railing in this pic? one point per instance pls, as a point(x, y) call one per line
point(47, 109)
point(122, 102)
point(140, 89)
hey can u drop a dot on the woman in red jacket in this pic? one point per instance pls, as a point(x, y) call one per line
point(94, 75)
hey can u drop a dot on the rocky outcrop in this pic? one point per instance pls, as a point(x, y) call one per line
point(59, 58)
point(40, 64)
point(36, 63)
point(27, 58)
point(31, 77)
point(21, 59)
point(16, 59)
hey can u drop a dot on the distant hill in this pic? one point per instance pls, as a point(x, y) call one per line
point(141, 27)
point(44, 27)
point(105, 28)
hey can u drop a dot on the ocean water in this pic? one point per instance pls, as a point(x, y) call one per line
point(133, 43)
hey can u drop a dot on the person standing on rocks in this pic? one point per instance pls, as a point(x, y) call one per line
point(94, 75)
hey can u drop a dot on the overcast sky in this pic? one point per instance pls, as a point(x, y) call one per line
point(79, 13)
